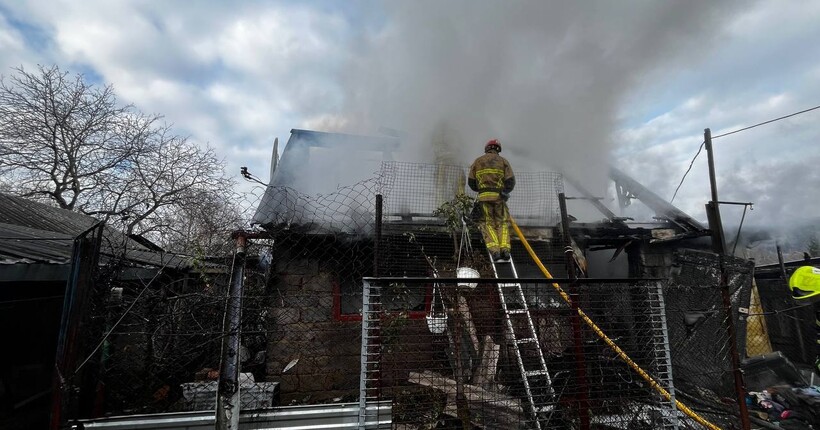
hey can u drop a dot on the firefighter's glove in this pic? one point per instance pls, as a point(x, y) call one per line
point(476, 214)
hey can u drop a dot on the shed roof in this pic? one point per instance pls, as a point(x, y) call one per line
point(19, 244)
point(28, 213)
point(33, 232)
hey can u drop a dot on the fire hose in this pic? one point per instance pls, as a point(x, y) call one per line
point(597, 330)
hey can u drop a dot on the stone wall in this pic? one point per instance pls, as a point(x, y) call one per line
point(651, 260)
point(314, 357)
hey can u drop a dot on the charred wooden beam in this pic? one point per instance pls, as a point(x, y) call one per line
point(504, 412)
point(655, 202)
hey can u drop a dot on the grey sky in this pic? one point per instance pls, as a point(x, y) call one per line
point(574, 84)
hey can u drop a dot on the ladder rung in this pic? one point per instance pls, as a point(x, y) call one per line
point(517, 311)
point(527, 340)
point(537, 372)
point(543, 409)
point(508, 285)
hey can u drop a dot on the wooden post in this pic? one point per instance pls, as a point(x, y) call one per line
point(464, 311)
point(485, 373)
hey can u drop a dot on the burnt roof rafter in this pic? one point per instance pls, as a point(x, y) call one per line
point(632, 189)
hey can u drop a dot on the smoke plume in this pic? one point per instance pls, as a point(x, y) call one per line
point(546, 78)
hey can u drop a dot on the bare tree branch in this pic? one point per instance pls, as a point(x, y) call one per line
point(70, 143)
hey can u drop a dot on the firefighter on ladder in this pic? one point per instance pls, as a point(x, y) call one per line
point(492, 178)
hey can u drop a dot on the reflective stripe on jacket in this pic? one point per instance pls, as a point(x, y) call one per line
point(490, 172)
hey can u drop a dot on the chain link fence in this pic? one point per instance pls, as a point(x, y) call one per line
point(781, 366)
point(698, 331)
point(781, 323)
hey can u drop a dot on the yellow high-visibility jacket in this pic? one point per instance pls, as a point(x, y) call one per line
point(491, 177)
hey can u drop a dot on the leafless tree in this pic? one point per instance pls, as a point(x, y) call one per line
point(69, 142)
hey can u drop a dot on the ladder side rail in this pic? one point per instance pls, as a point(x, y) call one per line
point(530, 403)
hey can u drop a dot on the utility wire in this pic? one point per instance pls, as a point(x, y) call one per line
point(33, 299)
point(766, 122)
point(733, 132)
point(156, 275)
point(687, 171)
point(782, 310)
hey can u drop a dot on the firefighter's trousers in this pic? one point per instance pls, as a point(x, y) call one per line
point(495, 225)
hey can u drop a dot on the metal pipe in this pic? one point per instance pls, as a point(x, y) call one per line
point(715, 222)
point(228, 400)
point(575, 321)
point(782, 264)
point(737, 236)
point(378, 239)
point(591, 281)
point(719, 245)
point(740, 389)
point(736, 203)
point(85, 256)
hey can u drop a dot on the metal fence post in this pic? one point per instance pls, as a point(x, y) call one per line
point(228, 399)
point(577, 335)
point(369, 358)
point(719, 246)
point(84, 264)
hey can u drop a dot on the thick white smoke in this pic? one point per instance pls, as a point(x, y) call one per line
point(545, 77)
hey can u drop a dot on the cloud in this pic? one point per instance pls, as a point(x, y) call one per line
point(232, 76)
point(765, 66)
point(561, 84)
point(13, 50)
point(769, 165)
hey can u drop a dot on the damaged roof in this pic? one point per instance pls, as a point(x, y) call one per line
point(318, 163)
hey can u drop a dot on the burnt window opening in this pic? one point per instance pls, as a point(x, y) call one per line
point(411, 298)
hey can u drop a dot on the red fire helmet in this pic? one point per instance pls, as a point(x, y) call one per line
point(492, 144)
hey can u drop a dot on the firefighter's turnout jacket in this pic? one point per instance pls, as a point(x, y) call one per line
point(492, 178)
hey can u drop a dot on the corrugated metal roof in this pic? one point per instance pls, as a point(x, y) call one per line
point(32, 232)
point(28, 213)
point(20, 244)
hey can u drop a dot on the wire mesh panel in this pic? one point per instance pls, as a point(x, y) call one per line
point(349, 209)
point(784, 324)
point(164, 338)
point(783, 351)
point(153, 341)
point(415, 191)
point(320, 249)
point(698, 332)
point(457, 368)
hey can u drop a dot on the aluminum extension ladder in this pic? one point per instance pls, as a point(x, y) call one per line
point(538, 406)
